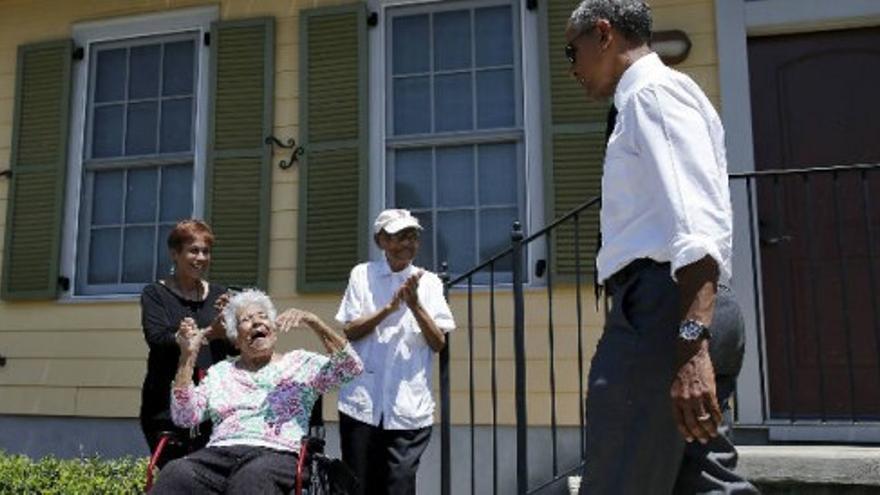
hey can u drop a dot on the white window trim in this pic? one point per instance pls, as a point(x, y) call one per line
point(735, 21)
point(532, 126)
point(85, 34)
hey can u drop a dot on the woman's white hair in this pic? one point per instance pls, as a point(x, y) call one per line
point(241, 300)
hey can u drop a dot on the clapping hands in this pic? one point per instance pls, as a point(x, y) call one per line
point(217, 330)
point(189, 337)
point(408, 293)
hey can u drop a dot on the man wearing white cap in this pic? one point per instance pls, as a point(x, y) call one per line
point(396, 317)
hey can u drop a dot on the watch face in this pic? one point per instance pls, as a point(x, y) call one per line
point(690, 330)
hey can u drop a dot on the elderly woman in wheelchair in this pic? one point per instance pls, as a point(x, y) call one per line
point(260, 402)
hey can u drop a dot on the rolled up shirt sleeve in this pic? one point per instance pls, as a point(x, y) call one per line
point(189, 405)
point(693, 207)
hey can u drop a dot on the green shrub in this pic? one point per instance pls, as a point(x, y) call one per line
point(20, 475)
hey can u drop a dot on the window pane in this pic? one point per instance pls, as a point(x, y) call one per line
point(141, 131)
point(455, 239)
point(137, 256)
point(495, 228)
point(412, 178)
point(140, 199)
point(452, 40)
point(178, 68)
point(176, 203)
point(495, 102)
point(107, 198)
point(107, 131)
point(110, 75)
point(494, 43)
point(454, 102)
point(144, 69)
point(425, 255)
point(163, 259)
point(412, 105)
point(410, 40)
point(176, 125)
point(104, 256)
point(455, 176)
point(497, 173)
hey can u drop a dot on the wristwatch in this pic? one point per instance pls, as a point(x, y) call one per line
point(692, 330)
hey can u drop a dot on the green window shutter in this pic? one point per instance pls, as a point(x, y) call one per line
point(38, 163)
point(239, 169)
point(333, 174)
point(574, 147)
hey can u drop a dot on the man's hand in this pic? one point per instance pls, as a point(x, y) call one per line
point(408, 292)
point(694, 401)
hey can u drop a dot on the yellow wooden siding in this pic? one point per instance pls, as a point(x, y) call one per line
point(88, 359)
point(697, 19)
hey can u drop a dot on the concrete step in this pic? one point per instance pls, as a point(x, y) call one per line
point(805, 469)
point(811, 469)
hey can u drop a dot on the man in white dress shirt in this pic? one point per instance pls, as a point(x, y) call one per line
point(396, 317)
point(654, 407)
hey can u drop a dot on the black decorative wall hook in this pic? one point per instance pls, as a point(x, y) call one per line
point(291, 145)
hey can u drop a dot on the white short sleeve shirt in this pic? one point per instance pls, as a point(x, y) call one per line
point(395, 387)
point(665, 194)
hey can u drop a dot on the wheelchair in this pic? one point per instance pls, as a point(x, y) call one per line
point(316, 473)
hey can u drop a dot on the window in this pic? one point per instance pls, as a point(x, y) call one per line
point(139, 155)
point(454, 128)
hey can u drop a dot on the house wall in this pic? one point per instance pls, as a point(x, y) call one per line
point(86, 358)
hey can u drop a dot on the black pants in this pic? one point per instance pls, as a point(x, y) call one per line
point(384, 461)
point(633, 445)
point(231, 470)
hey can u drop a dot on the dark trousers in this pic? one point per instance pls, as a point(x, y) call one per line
point(384, 461)
point(633, 445)
point(230, 470)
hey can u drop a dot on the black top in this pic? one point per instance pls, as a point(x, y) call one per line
point(161, 312)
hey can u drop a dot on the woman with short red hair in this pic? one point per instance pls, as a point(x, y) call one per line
point(184, 293)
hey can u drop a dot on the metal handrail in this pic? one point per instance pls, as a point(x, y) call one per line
point(808, 170)
point(518, 242)
point(506, 251)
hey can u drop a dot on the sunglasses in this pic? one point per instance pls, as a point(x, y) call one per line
point(406, 235)
point(571, 50)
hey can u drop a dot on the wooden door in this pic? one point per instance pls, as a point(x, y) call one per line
point(816, 103)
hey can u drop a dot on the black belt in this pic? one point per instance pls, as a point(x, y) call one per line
point(623, 275)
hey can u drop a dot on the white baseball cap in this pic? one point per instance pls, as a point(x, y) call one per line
point(394, 220)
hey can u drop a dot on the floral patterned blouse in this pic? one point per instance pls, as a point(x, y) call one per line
point(269, 407)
